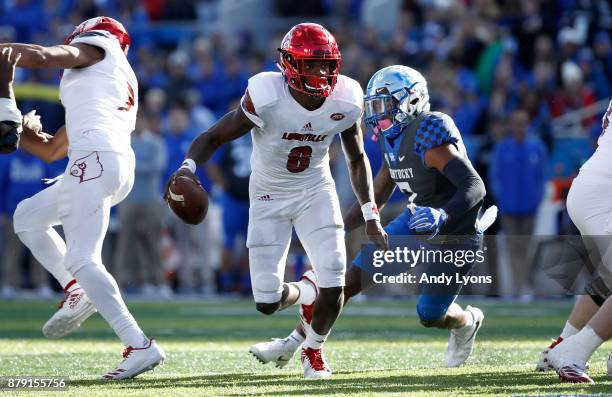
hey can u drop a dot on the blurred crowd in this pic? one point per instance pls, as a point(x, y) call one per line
point(504, 70)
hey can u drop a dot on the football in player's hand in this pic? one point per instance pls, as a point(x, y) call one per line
point(187, 199)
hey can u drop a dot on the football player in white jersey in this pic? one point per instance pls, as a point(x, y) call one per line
point(589, 204)
point(293, 117)
point(100, 94)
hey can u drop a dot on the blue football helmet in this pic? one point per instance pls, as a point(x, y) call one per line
point(395, 96)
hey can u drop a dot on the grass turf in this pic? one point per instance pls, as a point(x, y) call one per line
point(377, 348)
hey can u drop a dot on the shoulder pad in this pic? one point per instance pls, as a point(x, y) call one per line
point(349, 90)
point(264, 88)
point(436, 129)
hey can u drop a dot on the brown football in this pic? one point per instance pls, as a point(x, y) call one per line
point(188, 200)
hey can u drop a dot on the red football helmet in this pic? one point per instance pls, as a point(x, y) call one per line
point(305, 44)
point(108, 24)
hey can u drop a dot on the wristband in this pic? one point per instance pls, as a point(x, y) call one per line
point(9, 111)
point(190, 165)
point(370, 211)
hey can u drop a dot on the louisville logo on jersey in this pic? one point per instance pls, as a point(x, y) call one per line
point(296, 136)
point(87, 168)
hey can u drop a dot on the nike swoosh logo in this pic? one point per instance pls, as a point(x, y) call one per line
point(401, 158)
point(474, 333)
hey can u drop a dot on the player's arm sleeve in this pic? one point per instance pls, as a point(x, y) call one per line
point(470, 188)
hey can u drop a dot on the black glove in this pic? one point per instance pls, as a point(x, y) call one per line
point(10, 132)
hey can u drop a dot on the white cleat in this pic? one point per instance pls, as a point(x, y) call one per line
point(568, 368)
point(137, 360)
point(73, 310)
point(543, 363)
point(315, 366)
point(574, 373)
point(461, 341)
point(279, 351)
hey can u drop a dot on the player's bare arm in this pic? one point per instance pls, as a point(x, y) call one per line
point(10, 116)
point(78, 55)
point(46, 147)
point(361, 179)
point(231, 126)
point(458, 170)
point(383, 189)
point(8, 61)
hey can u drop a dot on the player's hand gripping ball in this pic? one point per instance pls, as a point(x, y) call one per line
point(186, 197)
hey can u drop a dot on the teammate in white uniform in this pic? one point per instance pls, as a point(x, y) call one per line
point(100, 94)
point(293, 117)
point(589, 204)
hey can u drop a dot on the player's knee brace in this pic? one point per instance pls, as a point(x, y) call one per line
point(267, 290)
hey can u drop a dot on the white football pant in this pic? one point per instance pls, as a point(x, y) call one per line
point(316, 216)
point(81, 201)
point(589, 204)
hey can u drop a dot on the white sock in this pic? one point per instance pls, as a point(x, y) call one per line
point(102, 290)
point(314, 340)
point(469, 319)
point(49, 249)
point(568, 330)
point(308, 293)
point(455, 308)
point(296, 337)
point(583, 344)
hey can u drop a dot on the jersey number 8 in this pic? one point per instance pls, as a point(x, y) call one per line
point(299, 159)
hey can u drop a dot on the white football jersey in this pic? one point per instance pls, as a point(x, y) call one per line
point(291, 143)
point(101, 101)
point(601, 160)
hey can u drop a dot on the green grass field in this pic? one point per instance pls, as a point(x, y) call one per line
point(377, 348)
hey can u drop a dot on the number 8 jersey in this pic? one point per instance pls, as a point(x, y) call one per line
point(291, 143)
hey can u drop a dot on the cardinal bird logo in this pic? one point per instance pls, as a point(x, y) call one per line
point(87, 168)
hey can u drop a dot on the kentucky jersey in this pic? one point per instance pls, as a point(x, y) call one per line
point(423, 185)
point(290, 143)
point(601, 160)
point(101, 100)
